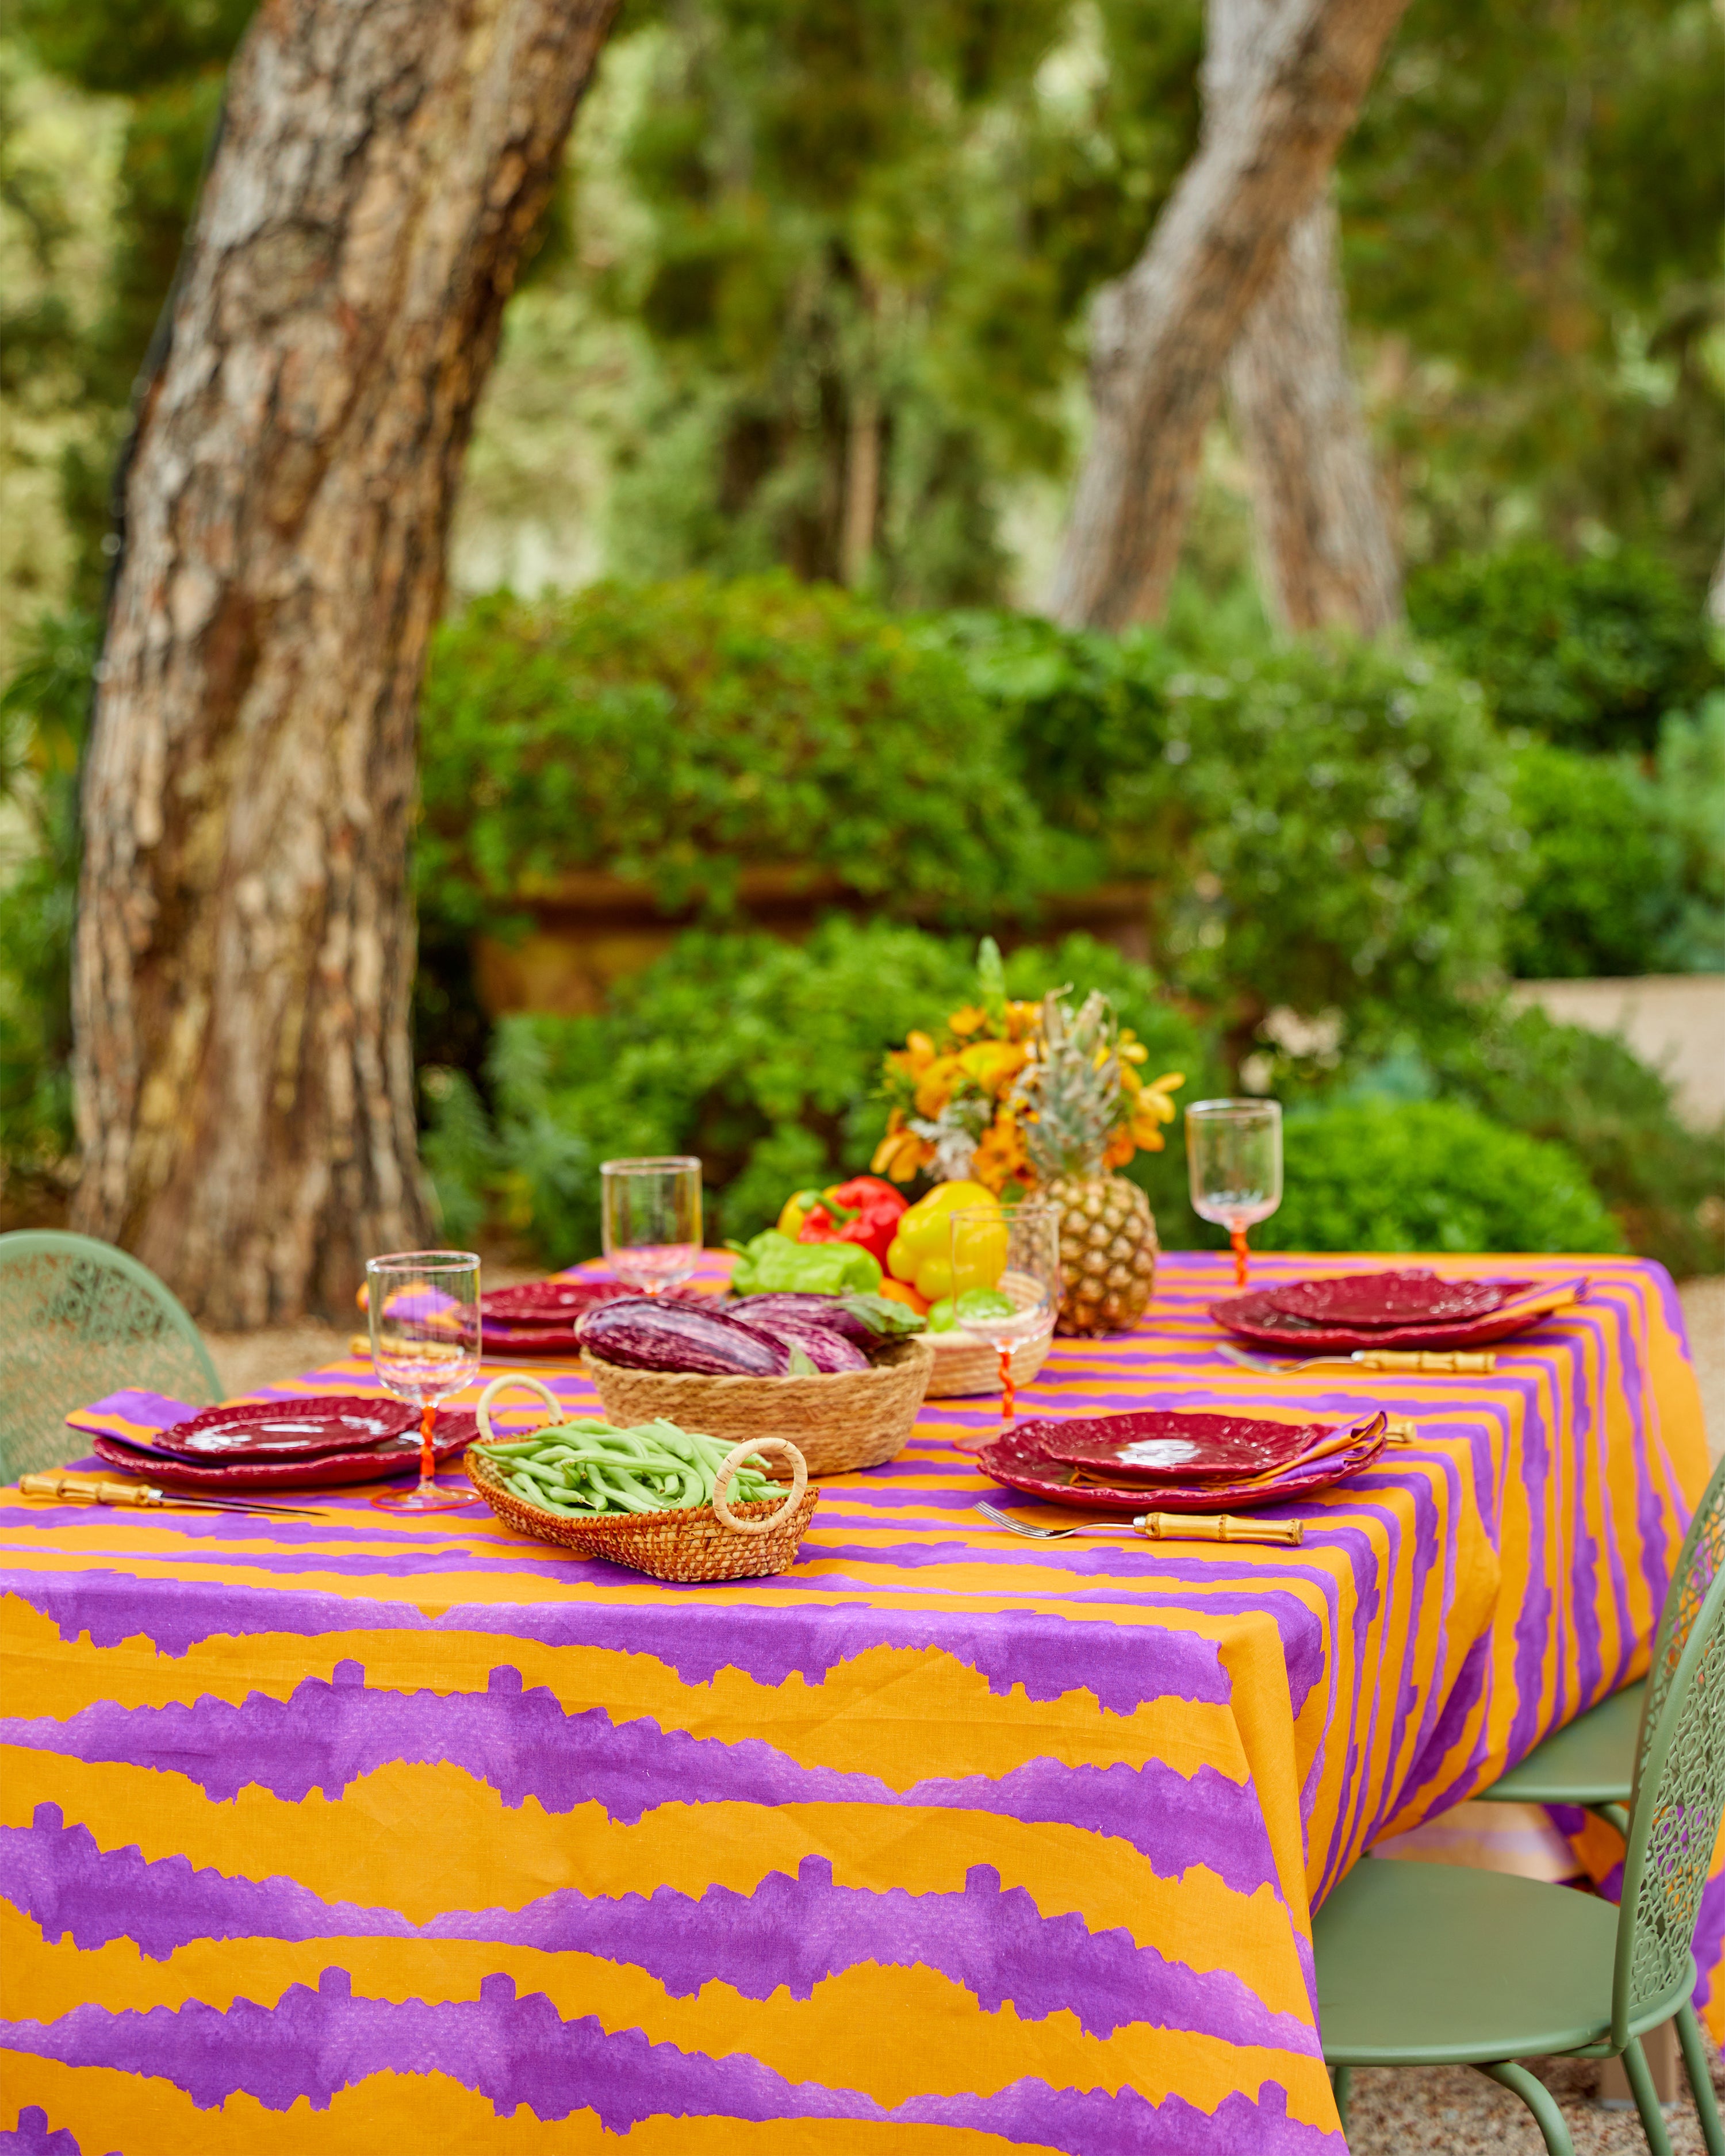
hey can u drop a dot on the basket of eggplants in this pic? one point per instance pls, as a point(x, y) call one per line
point(841, 1376)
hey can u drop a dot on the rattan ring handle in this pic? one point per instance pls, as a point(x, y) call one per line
point(734, 1458)
point(559, 1413)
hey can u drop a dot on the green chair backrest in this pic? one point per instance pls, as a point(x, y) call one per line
point(1674, 1823)
point(1699, 1564)
point(80, 1319)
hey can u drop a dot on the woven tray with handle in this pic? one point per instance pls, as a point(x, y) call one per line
point(686, 1543)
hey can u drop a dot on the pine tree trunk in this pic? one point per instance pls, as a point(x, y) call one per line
point(244, 953)
point(1162, 334)
point(1326, 559)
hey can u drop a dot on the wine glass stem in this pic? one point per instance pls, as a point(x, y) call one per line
point(427, 1452)
point(1237, 1240)
point(1008, 1399)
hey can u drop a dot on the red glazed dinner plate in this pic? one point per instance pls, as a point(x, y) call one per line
point(1153, 1446)
point(285, 1429)
point(1414, 1296)
point(1020, 1462)
point(1254, 1316)
point(556, 1303)
point(454, 1430)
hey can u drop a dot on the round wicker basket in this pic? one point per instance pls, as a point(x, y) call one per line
point(839, 1420)
point(691, 1544)
point(964, 1364)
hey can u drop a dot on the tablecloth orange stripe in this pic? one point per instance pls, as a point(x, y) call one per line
point(371, 1833)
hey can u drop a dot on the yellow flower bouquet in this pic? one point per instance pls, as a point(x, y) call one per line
point(1010, 1093)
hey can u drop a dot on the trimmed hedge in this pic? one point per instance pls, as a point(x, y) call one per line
point(679, 732)
point(1589, 653)
point(1429, 1175)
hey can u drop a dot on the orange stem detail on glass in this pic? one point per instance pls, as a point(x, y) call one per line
point(1008, 1399)
point(427, 1454)
point(1237, 1240)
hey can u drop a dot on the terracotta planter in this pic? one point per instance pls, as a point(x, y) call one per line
point(590, 931)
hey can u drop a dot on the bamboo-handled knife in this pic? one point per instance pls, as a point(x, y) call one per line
point(93, 1490)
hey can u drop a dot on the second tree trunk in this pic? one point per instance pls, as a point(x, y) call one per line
point(1326, 559)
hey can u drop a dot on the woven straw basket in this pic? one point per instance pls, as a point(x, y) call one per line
point(964, 1364)
point(695, 1543)
point(838, 1420)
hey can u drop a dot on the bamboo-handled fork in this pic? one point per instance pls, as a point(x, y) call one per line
point(1426, 1361)
point(1158, 1527)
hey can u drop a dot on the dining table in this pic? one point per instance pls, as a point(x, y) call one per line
point(378, 1834)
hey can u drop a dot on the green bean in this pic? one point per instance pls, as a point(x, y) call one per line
point(585, 1468)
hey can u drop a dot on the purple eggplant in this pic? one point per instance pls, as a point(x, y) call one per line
point(827, 1311)
point(648, 1332)
point(825, 1346)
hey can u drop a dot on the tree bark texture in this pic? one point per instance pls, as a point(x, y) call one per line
point(244, 953)
point(1162, 334)
point(1326, 557)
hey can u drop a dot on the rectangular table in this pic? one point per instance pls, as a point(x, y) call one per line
point(371, 1835)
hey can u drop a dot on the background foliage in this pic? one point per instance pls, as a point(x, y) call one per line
point(813, 298)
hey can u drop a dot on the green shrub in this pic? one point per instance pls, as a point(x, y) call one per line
point(1429, 1175)
point(676, 732)
point(1626, 873)
point(761, 1056)
point(1602, 875)
point(1688, 801)
point(1588, 653)
point(1587, 1091)
point(1328, 825)
point(44, 711)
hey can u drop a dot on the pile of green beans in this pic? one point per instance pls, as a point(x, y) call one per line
point(587, 1467)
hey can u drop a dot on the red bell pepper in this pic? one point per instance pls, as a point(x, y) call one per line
point(865, 1211)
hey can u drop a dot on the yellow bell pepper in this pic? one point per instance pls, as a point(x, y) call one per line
point(921, 1252)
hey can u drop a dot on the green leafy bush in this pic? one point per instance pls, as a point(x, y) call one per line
point(43, 709)
point(1429, 1175)
point(1626, 873)
point(761, 1056)
point(1328, 824)
point(1688, 801)
point(1588, 653)
point(675, 732)
point(1602, 873)
point(1587, 1091)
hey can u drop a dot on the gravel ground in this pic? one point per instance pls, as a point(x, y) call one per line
point(1452, 2111)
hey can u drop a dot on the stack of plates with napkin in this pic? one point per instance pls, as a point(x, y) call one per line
point(1180, 1462)
point(265, 1444)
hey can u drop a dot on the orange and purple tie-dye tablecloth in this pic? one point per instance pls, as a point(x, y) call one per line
point(370, 1834)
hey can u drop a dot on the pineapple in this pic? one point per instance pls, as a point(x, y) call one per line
point(1072, 1097)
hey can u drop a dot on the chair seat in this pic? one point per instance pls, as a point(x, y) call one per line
point(1589, 1761)
point(1434, 1964)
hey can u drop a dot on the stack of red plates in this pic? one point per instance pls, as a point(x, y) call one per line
point(539, 1317)
point(1175, 1461)
point(1410, 1306)
point(288, 1444)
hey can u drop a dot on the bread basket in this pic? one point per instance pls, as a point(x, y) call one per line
point(837, 1420)
point(964, 1364)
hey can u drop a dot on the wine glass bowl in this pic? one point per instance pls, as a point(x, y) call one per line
point(424, 1306)
point(1012, 1254)
point(650, 1219)
point(1234, 1166)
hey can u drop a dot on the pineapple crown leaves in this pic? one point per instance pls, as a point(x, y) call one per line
point(1071, 1096)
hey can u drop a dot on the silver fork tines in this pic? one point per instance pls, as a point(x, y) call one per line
point(996, 1517)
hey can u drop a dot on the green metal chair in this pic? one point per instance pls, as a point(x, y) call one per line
point(1432, 1964)
point(1591, 1761)
point(79, 1319)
